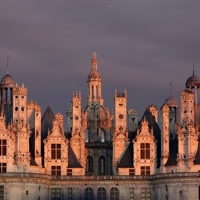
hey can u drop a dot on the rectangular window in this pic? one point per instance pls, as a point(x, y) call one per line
point(145, 150)
point(199, 192)
point(2, 167)
point(131, 193)
point(131, 172)
point(3, 147)
point(1, 192)
point(55, 151)
point(69, 172)
point(56, 194)
point(55, 170)
point(145, 194)
point(145, 170)
point(70, 193)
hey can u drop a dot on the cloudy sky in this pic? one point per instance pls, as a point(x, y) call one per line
point(141, 46)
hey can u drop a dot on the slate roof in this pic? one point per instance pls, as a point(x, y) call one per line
point(173, 146)
point(72, 161)
point(197, 156)
point(127, 159)
point(47, 122)
point(156, 130)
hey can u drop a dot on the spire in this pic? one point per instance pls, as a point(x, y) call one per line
point(170, 88)
point(193, 67)
point(94, 61)
point(7, 65)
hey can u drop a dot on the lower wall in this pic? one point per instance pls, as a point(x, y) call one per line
point(183, 186)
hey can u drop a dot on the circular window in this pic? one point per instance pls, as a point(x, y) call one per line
point(16, 108)
point(121, 116)
point(120, 129)
point(76, 118)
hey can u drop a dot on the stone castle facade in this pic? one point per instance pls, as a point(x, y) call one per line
point(103, 155)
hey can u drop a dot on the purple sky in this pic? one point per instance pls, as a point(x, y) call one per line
point(141, 45)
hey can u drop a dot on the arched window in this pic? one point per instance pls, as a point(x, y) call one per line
point(97, 92)
point(89, 166)
point(92, 92)
point(88, 194)
point(87, 135)
point(103, 137)
point(114, 194)
point(101, 194)
point(101, 165)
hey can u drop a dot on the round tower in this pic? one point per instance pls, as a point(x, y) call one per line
point(6, 89)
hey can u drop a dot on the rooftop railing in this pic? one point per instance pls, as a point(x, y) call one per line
point(103, 177)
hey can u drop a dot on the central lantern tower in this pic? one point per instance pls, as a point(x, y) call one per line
point(97, 129)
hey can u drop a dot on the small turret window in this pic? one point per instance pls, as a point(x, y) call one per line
point(16, 97)
point(89, 164)
point(22, 108)
point(101, 165)
point(16, 108)
point(103, 136)
point(121, 116)
point(76, 118)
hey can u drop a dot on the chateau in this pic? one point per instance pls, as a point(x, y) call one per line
point(102, 155)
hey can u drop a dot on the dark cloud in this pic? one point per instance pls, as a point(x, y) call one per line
point(141, 46)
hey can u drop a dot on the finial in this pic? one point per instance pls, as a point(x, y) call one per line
point(7, 65)
point(193, 67)
point(170, 88)
point(94, 61)
point(94, 55)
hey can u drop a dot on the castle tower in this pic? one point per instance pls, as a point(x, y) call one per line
point(22, 129)
point(94, 82)
point(6, 91)
point(192, 84)
point(169, 120)
point(165, 136)
point(77, 141)
point(22, 153)
point(34, 118)
point(187, 107)
point(20, 104)
point(96, 128)
point(187, 132)
point(120, 135)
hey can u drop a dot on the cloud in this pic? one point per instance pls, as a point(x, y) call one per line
point(141, 46)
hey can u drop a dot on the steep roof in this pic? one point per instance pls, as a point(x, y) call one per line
point(127, 159)
point(72, 161)
point(173, 146)
point(47, 122)
point(156, 131)
point(197, 156)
